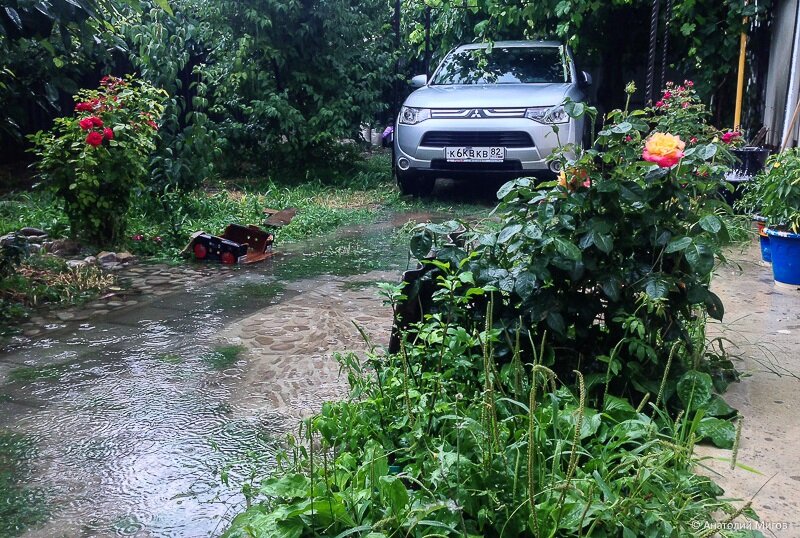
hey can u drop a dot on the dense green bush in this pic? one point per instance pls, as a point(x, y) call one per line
point(170, 51)
point(775, 192)
point(611, 266)
point(94, 160)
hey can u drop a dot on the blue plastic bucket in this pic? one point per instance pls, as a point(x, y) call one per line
point(766, 255)
point(785, 250)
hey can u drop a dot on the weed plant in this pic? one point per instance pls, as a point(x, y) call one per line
point(438, 440)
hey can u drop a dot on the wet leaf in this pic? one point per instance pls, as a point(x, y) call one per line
point(420, 244)
point(719, 431)
point(678, 244)
point(694, 390)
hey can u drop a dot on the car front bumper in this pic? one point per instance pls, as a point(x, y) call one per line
point(415, 154)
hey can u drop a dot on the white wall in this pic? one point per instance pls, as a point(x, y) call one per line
point(779, 104)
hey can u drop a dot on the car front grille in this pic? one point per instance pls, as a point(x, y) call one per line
point(506, 139)
point(472, 113)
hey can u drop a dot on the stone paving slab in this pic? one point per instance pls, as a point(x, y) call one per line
point(762, 323)
point(291, 368)
point(139, 284)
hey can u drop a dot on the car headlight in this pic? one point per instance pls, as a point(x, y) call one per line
point(411, 116)
point(547, 114)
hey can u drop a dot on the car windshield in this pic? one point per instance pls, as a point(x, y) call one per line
point(504, 65)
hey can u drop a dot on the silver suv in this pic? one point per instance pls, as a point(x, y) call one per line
point(488, 111)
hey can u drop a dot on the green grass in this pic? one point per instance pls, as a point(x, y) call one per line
point(224, 356)
point(360, 285)
point(20, 506)
point(27, 374)
point(170, 358)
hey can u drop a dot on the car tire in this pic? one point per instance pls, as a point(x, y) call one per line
point(413, 184)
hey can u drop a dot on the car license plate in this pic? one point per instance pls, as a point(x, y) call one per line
point(474, 155)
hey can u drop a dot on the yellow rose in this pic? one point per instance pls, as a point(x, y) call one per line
point(663, 149)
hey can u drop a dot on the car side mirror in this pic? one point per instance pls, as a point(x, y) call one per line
point(585, 79)
point(419, 81)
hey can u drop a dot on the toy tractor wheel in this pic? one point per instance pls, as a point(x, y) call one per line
point(200, 251)
point(228, 258)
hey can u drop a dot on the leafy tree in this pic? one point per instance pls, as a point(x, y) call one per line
point(704, 44)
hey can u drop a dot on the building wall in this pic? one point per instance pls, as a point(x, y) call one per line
point(779, 104)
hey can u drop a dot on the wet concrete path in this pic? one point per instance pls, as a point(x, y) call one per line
point(134, 413)
point(762, 328)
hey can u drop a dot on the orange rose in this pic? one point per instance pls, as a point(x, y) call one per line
point(578, 177)
point(663, 149)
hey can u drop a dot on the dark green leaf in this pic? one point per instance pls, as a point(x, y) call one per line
point(604, 242)
point(420, 244)
point(678, 244)
point(694, 390)
point(567, 249)
point(525, 284)
point(711, 224)
point(721, 432)
point(714, 306)
point(700, 257)
point(14, 17)
point(508, 232)
point(656, 288)
point(611, 287)
point(718, 407)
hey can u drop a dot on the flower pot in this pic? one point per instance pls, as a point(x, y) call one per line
point(752, 160)
point(761, 224)
point(785, 251)
point(766, 252)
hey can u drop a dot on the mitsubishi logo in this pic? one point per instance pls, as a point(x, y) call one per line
point(476, 114)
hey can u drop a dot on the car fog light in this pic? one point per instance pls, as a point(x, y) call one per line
point(403, 163)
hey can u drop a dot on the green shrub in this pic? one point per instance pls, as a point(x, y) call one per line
point(775, 192)
point(612, 263)
point(436, 441)
point(95, 160)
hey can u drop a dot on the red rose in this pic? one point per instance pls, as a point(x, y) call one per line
point(83, 107)
point(108, 134)
point(96, 122)
point(693, 140)
point(86, 124)
point(94, 139)
point(730, 136)
point(628, 138)
point(659, 104)
point(152, 124)
point(667, 94)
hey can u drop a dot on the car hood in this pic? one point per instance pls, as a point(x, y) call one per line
point(488, 95)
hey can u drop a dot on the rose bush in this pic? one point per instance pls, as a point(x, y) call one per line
point(612, 273)
point(95, 159)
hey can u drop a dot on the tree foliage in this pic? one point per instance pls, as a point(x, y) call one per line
point(704, 41)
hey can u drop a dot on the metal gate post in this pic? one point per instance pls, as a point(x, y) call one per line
point(651, 57)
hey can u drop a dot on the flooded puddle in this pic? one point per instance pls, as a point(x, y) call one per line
point(126, 423)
